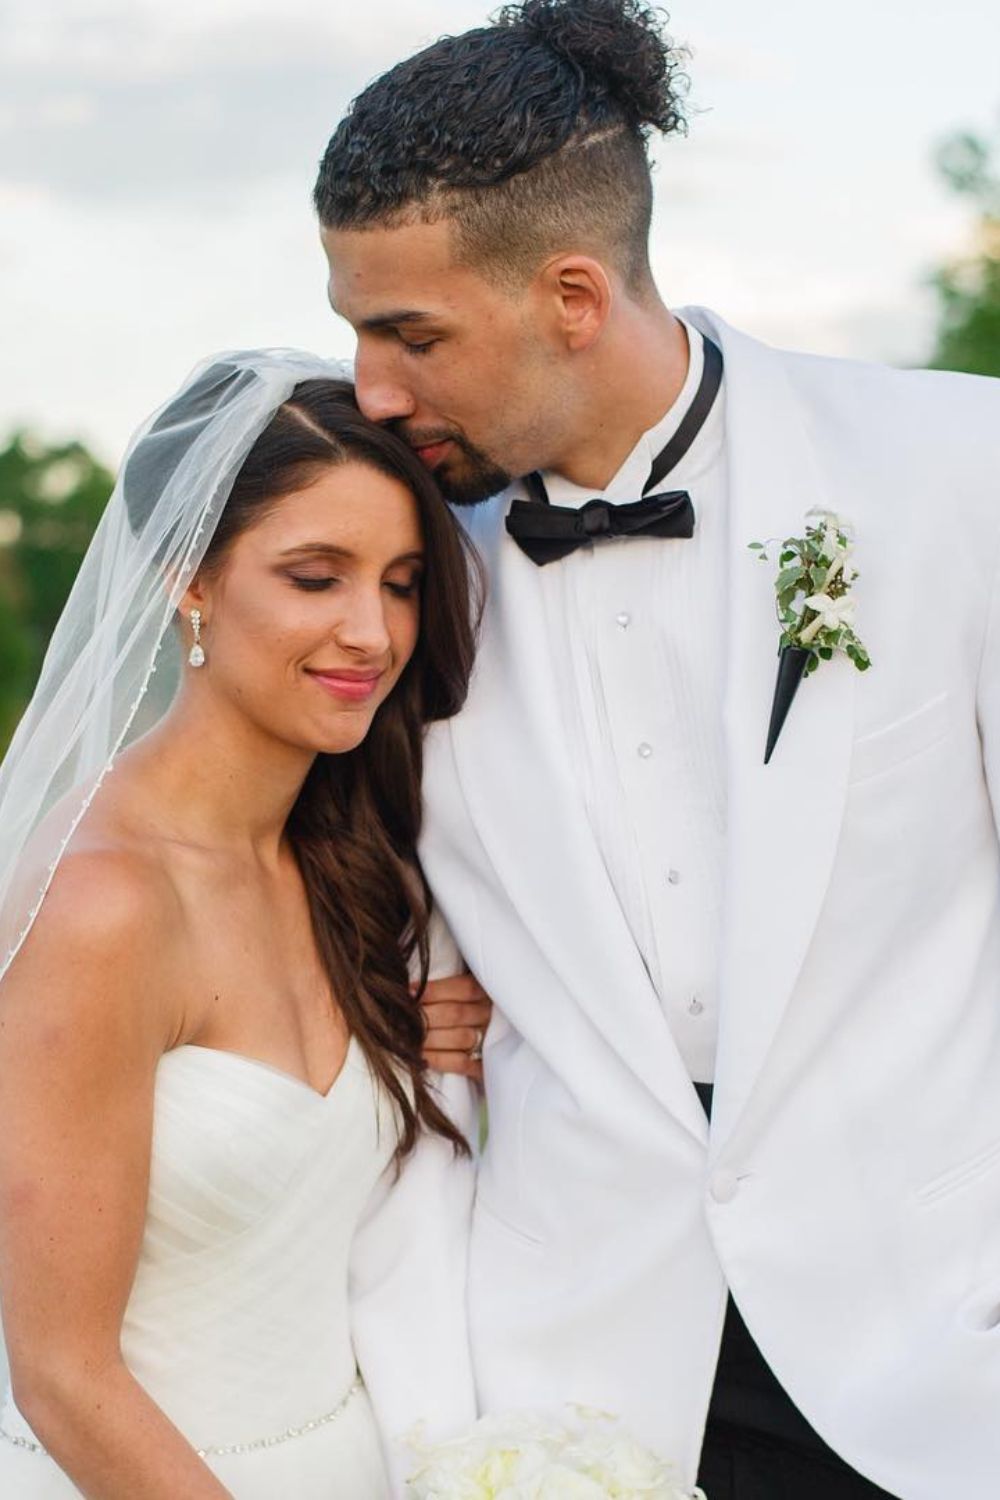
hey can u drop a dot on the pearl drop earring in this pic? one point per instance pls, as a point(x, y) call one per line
point(196, 655)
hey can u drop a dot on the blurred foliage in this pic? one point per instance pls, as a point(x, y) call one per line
point(51, 499)
point(969, 289)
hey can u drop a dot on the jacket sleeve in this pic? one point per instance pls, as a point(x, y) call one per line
point(408, 1278)
point(988, 699)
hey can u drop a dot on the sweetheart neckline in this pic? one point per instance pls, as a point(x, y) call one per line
point(272, 1068)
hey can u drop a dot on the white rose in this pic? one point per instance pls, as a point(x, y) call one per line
point(532, 1457)
point(557, 1482)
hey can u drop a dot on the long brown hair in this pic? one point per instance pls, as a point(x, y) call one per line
point(355, 824)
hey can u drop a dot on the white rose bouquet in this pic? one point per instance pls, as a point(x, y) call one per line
point(585, 1455)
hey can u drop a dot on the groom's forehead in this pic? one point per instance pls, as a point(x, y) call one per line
point(381, 275)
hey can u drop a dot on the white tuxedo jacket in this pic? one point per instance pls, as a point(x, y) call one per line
point(849, 1189)
point(407, 1280)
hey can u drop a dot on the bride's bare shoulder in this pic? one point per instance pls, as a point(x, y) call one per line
point(109, 888)
point(105, 935)
point(106, 872)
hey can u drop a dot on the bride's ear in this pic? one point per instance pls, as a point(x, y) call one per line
point(193, 598)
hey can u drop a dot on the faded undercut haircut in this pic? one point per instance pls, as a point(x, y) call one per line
point(530, 135)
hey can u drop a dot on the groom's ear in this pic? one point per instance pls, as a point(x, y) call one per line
point(578, 293)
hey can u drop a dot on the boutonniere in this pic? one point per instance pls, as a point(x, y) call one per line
point(815, 603)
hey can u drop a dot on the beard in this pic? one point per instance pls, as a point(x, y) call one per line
point(468, 476)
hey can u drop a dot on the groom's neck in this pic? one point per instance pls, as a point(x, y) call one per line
point(634, 375)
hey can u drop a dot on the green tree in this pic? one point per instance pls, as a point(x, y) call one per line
point(51, 499)
point(969, 289)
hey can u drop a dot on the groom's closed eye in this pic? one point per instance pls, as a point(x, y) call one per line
point(421, 348)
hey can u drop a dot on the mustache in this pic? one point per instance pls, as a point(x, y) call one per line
point(424, 437)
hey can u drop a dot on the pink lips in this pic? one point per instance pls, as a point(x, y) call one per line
point(355, 687)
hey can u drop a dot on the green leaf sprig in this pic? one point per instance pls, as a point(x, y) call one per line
point(815, 605)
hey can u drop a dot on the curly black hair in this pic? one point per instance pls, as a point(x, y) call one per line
point(528, 133)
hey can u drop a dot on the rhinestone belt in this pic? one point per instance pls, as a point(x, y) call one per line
point(253, 1446)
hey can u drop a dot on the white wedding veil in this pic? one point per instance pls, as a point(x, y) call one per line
point(113, 663)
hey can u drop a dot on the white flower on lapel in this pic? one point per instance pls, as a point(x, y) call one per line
point(831, 614)
point(816, 608)
point(833, 547)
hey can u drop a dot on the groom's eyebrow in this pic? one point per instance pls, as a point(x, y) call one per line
point(393, 318)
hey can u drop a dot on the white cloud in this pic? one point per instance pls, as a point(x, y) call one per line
point(156, 163)
point(141, 102)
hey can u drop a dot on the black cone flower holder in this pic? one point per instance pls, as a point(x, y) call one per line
point(792, 664)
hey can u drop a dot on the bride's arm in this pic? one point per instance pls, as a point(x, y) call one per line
point(456, 1009)
point(83, 1023)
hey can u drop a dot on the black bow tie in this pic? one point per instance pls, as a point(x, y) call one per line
point(550, 532)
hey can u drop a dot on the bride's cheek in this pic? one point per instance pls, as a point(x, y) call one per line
point(413, 629)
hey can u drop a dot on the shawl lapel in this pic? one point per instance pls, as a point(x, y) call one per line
point(784, 819)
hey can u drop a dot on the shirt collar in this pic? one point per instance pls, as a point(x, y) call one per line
point(630, 479)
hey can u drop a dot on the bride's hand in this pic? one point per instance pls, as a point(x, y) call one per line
point(456, 1012)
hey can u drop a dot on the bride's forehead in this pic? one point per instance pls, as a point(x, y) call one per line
point(351, 504)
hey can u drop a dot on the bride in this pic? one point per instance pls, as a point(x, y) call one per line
point(211, 1087)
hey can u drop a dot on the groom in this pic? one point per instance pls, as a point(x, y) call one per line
point(742, 1184)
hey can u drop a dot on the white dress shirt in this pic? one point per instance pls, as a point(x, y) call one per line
point(640, 626)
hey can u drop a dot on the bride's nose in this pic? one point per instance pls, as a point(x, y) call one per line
point(363, 627)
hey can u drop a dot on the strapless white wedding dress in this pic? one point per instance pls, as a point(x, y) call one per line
point(238, 1324)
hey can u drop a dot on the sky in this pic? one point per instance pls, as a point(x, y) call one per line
point(156, 162)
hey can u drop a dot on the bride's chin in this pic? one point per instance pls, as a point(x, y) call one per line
point(343, 738)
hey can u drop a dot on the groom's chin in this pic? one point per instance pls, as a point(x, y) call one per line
point(471, 488)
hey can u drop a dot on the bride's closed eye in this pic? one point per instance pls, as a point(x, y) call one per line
point(318, 585)
point(311, 585)
point(405, 590)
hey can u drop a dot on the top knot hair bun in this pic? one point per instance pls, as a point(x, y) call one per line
point(617, 46)
point(521, 130)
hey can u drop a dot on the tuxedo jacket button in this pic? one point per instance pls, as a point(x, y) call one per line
point(724, 1186)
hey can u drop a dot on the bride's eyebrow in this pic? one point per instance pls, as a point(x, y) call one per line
point(326, 548)
point(342, 554)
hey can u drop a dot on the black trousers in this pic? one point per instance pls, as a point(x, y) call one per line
point(758, 1445)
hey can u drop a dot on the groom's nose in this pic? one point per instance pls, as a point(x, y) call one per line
point(380, 393)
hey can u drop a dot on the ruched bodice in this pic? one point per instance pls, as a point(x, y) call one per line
point(238, 1322)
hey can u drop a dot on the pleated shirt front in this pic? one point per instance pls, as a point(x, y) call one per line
point(638, 628)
